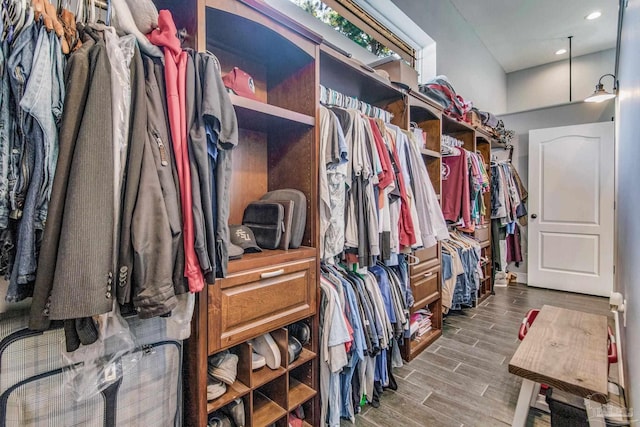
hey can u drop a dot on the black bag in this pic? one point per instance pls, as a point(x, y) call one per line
point(299, 220)
point(266, 220)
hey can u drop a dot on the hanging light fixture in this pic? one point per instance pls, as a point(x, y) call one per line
point(600, 94)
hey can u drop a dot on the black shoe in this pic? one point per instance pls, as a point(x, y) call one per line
point(295, 348)
point(301, 331)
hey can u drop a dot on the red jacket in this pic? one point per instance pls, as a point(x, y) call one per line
point(175, 79)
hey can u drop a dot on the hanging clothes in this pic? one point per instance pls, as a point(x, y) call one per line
point(508, 213)
point(362, 315)
point(376, 172)
point(464, 181)
point(165, 36)
point(462, 271)
point(93, 212)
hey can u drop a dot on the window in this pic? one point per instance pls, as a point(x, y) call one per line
point(355, 23)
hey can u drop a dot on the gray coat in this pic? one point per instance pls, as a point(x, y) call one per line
point(76, 257)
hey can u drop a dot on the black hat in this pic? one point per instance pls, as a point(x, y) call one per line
point(242, 236)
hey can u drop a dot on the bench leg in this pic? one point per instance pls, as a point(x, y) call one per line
point(524, 400)
point(534, 395)
point(595, 413)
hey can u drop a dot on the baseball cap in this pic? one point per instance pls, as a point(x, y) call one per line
point(240, 83)
point(242, 236)
point(234, 251)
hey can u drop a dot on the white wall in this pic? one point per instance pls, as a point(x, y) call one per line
point(563, 115)
point(461, 56)
point(548, 84)
point(628, 198)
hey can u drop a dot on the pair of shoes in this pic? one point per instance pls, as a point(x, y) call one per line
point(218, 419)
point(265, 346)
point(215, 388)
point(223, 366)
point(300, 331)
point(235, 410)
point(294, 347)
point(257, 361)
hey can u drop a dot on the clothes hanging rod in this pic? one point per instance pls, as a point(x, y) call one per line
point(346, 101)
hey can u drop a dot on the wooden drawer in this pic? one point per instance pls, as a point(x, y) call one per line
point(249, 303)
point(425, 286)
point(427, 259)
point(482, 233)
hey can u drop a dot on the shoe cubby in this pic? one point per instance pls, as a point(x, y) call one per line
point(300, 386)
point(270, 402)
point(307, 354)
point(265, 374)
point(270, 394)
point(241, 387)
point(308, 409)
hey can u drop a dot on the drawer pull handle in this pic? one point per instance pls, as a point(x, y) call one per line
point(429, 274)
point(271, 274)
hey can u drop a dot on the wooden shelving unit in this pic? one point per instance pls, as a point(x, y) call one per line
point(483, 146)
point(278, 148)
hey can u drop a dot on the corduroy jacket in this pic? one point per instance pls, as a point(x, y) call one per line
point(75, 277)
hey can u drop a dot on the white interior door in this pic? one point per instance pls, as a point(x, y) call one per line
point(571, 184)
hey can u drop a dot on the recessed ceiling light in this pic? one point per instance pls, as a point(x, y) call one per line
point(561, 51)
point(593, 15)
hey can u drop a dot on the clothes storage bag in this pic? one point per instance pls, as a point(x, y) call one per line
point(299, 218)
point(33, 392)
point(266, 220)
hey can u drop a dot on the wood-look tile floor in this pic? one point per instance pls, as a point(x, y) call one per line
point(462, 378)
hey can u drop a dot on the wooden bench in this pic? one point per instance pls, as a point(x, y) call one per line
point(567, 350)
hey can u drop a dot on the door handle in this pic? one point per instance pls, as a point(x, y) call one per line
point(271, 274)
point(534, 216)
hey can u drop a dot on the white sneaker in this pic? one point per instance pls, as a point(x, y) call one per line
point(266, 346)
point(257, 361)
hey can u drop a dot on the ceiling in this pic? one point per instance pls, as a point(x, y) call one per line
point(525, 33)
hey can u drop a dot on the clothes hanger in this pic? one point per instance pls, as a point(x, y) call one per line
point(414, 259)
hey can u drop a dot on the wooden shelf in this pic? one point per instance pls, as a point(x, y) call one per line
point(485, 244)
point(265, 411)
point(268, 258)
point(345, 75)
point(306, 424)
point(485, 136)
point(259, 116)
point(417, 99)
point(428, 300)
point(299, 393)
point(234, 391)
point(306, 356)
point(417, 346)
point(430, 153)
point(261, 376)
point(450, 125)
